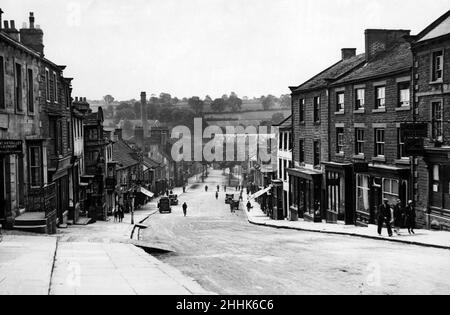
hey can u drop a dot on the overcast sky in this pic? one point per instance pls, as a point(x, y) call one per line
point(200, 47)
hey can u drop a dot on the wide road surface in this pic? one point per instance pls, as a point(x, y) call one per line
point(227, 255)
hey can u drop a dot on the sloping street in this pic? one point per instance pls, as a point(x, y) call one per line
point(227, 255)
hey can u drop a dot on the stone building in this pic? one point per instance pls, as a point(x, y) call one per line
point(310, 119)
point(431, 77)
point(367, 158)
point(35, 100)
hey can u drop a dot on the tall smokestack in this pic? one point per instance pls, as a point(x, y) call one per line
point(144, 114)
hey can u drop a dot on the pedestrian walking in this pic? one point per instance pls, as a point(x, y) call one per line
point(249, 206)
point(218, 188)
point(398, 217)
point(206, 188)
point(232, 206)
point(116, 214)
point(185, 207)
point(410, 217)
point(217, 195)
point(385, 217)
point(224, 188)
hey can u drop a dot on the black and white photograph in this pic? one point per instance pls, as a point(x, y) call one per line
point(224, 154)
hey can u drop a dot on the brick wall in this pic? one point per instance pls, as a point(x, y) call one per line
point(392, 117)
point(309, 130)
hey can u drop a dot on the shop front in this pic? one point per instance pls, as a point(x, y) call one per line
point(438, 161)
point(375, 184)
point(11, 180)
point(339, 193)
point(306, 193)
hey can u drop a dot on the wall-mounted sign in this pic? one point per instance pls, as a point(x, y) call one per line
point(414, 130)
point(11, 146)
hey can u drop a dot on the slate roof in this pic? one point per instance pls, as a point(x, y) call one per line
point(438, 28)
point(334, 72)
point(150, 162)
point(285, 124)
point(397, 59)
point(123, 154)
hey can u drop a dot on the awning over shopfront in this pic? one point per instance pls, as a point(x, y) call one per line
point(146, 192)
point(261, 192)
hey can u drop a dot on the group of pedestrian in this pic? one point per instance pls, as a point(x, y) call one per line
point(397, 216)
point(119, 214)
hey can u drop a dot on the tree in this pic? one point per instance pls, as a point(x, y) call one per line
point(127, 128)
point(108, 99)
point(218, 105)
point(123, 114)
point(285, 101)
point(277, 118)
point(165, 98)
point(109, 111)
point(234, 102)
point(208, 99)
point(196, 104)
point(268, 102)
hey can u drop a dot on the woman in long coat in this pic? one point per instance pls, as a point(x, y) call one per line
point(410, 217)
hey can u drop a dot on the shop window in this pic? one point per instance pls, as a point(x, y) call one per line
point(362, 194)
point(438, 66)
point(360, 140)
point(380, 97)
point(35, 166)
point(360, 101)
point(437, 121)
point(436, 178)
point(379, 142)
point(391, 190)
point(404, 94)
point(340, 102)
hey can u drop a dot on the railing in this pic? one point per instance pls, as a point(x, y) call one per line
point(42, 199)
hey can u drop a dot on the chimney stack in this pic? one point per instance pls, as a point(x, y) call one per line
point(11, 30)
point(1, 14)
point(118, 133)
point(378, 41)
point(33, 37)
point(144, 113)
point(348, 53)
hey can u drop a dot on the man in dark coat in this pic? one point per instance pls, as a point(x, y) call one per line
point(410, 217)
point(398, 217)
point(385, 216)
point(185, 209)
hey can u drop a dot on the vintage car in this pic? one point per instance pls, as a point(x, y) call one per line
point(164, 205)
point(173, 200)
point(229, 198)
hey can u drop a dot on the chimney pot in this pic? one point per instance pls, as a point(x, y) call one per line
point(31, 20)
point(6, 23)
point(13, 24)
point(76, 99)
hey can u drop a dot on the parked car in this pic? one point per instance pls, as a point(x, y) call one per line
point(164, 205)
point(173, 200)
point(229, 198)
